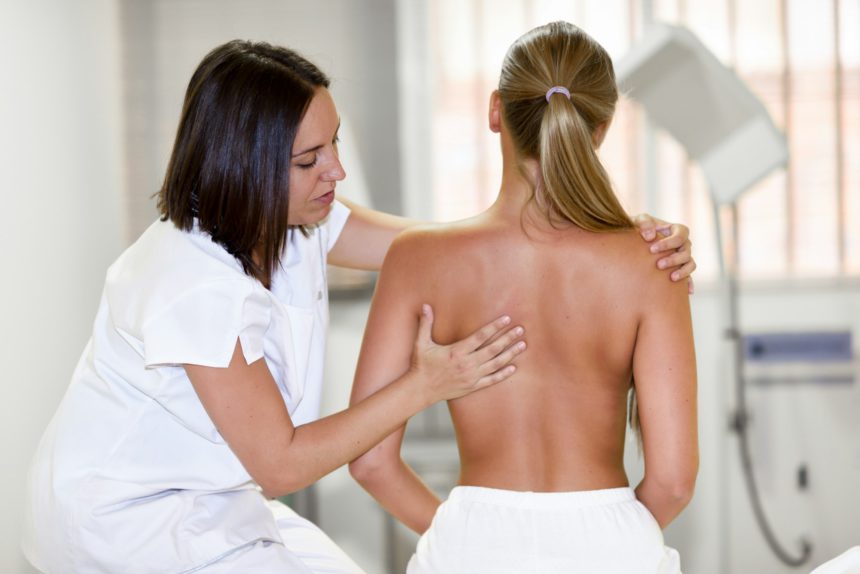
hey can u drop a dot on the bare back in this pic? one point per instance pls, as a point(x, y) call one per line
point(559, 423)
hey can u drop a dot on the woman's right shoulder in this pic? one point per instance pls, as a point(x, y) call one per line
point(631, 266)
point(635, 253)
point(649, 285)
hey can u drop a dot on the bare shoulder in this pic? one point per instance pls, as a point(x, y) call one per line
point(638, 266)
point(411, 245)
point(428, 243)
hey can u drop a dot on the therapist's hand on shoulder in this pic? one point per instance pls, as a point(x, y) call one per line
point(671, 240)
point(452, 371)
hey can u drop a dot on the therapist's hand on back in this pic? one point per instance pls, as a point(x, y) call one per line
point(478, 361)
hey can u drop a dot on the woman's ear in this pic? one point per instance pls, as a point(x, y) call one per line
point(599, 134)
point(495, 115)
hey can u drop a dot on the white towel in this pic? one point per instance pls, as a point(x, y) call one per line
point(846, 563)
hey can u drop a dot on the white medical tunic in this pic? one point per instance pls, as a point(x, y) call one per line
point(131, 474)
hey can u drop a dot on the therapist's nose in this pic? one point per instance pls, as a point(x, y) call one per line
point(335, 171)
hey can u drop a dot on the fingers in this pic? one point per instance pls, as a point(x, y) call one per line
point(691, 288)
point(679, 257)
point(684, 272)
point(679, 235)
point(496, 377)
point(425, 326)
point(501, 360)
point(484, 354)
point(682, 258)
point(663, 228)
point(646, 225)
point(484, 334)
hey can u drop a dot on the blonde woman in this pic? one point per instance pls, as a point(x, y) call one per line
point(542, 486)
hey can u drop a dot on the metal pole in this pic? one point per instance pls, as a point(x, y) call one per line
point(740, 418)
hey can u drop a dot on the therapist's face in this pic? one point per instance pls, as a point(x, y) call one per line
point(315, 167)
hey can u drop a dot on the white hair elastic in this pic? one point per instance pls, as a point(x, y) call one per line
point(557, 90)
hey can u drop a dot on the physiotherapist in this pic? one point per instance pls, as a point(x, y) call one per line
point(196, 400)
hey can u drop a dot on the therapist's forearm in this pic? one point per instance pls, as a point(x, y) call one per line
point(366, 237)
point(396, 223)
point(319, 447)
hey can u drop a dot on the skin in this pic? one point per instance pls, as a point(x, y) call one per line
point(315, 167)
point(597, 311)
point(243, 399)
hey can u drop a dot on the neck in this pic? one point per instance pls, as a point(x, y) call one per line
point(515, 201)
point(516, 187)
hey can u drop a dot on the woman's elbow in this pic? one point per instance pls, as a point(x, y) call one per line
point(367, 467)
point(678, 485)
point(361, 470)
point(683, 490)
point(683, 484)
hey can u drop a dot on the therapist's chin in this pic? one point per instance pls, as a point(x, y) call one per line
point(314, 214)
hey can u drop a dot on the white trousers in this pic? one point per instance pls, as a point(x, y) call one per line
point(846, 563)
point(306, 550)
point(484, 530)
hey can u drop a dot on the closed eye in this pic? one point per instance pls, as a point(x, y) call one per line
point(308, 165)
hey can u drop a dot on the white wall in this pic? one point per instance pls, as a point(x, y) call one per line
point(60, 145)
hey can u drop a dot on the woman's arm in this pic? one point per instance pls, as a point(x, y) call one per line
point(664, 371)
point(244, 403)
point(368, 234)
point(384, 355)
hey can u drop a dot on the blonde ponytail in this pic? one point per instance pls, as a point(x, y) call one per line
point(574, 181)
point(557, 130)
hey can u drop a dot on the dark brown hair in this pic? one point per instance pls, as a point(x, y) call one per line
point(230, 166)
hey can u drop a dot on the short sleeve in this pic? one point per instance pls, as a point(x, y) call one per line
point(200, 326)
point(334, 224)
